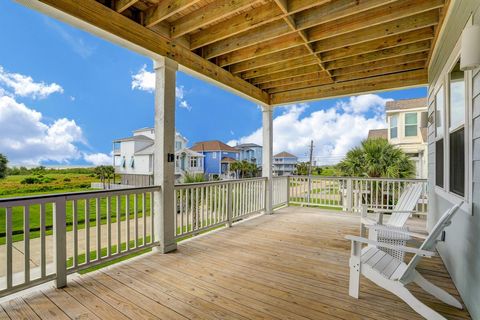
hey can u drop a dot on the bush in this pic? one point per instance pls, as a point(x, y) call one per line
point(67, 180)
point(31, 180)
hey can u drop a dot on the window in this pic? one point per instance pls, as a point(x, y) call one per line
point(393, 126)
point(457, 131)
point(439, 143)
point(193, 162)
point(123, 162)
point(411, 125)
point(214, 155)
point(132, 162)
point(178, 145)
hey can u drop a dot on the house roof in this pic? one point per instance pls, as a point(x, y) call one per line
point(228, 160)
point(378, 133)
point(247, 145)
point(140, 137)
point(213, 145)
point(406, 104)
point(284, 154)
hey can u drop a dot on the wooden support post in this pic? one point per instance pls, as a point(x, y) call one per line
point(60, 236)
point(164, 154)
point(267, 120)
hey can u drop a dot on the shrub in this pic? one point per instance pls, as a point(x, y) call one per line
point(67, 180)
point(31, 180)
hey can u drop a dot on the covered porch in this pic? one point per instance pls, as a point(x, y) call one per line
point(290, 265)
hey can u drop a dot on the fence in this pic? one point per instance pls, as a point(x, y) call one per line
point(202, 206)
point(280, 191)
point(349, 194)
point(56, 235)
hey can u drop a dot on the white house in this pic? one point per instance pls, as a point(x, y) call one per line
point(407, 129)
point(284, 164)
point(133, 158)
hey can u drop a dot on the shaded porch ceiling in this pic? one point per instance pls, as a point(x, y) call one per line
point(277, 51)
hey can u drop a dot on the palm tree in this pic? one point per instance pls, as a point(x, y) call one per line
point(376, 158)
point(3, 166)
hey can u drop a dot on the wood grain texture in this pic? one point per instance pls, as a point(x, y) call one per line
point(290, 265)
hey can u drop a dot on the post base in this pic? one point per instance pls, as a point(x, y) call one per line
point(166, 248)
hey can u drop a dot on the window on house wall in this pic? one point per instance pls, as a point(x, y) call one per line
point(178, 145)
point(214, 155)
point(439, 141)
point(193, 162)
point(393, 126)
point(123, 162)
point(132, 162)
point(456, 130)
point(411, 124)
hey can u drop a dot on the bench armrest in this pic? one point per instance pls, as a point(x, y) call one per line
point(379, 210)
point(420, 252)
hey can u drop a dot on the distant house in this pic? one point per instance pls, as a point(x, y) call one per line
point(133, 158)
point(284, 164)
point(218, 157)
point(407, 129)
point(250, 152)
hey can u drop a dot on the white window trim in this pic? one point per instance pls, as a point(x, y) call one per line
point(405, 124)
point(396, 126)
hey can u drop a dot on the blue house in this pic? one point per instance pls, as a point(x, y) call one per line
point(218, 157)
point(250, 152)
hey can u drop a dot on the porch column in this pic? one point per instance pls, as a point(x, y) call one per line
point(164, 153)
point(267, 155)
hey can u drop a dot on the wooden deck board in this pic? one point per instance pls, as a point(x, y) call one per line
point(290, 265)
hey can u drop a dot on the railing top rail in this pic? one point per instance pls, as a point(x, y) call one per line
point(73, 195)
point(199, 184)
point(362, 178)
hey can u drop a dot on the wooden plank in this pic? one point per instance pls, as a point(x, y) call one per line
point(378, 32)
point(19, 309)
point(208, 14)
point(70, 306)
point(398, 80)
point(235, 25)
point(300, 85)
point(379, 55)
point(271, 59)
point(165, 9)
point(122, 5)
point(374, 17)
point(287, 74)
point(380, 64)
point(281, 66)
point(112, 22)
point(381, 71)
point(3, 314)
point(302, 78)
point(285, 42)
point(43, 307)
point(376, 45)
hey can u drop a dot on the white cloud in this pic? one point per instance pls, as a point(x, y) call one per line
point(364, 103)
point(75, 41)
point(27, 140)
point(24, 86)
point(334, 131)
point(98, 159)
point(145, 81)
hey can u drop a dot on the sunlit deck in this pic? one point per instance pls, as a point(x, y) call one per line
point(290, 265)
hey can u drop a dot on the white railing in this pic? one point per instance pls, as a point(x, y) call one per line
point(280, 191)
point(203, 206)
point(349, 194)
point(56, 235)
point(111, 186)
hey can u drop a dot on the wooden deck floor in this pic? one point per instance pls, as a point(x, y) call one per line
point(291, 265)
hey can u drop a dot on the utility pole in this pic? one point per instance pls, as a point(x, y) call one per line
point(310, 173)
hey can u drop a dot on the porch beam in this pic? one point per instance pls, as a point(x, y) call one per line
point(164, 153)
point(209, 14)
point(300, 85)
point(287, 74)
point(293, 79)
point(122, 5)
point(393, 81)
point(267, 156)
point(165, 9)
point(381, 71)
point(281, 66)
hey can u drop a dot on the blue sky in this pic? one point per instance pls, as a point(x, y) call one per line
point(79, 98)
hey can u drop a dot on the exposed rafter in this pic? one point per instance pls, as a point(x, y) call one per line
point(166, 9)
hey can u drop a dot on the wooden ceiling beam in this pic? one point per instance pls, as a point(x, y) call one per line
point(300, 85)
point(392, 81)
point(149, 42)
point(209, 14)
point(287, 74)
point(281, 66)
point(381, 31)
point(374, 17)
point(420, 56)
point(165, 9)
point(381, 71)
point(277, 28)
point(270, 59)
point(268, 47)
point(296, 79)
point(294, 6)
point(122, 5)
point(376, 45)
point(235, 25)
point(379, 55)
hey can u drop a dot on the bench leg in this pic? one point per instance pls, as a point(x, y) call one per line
point(435, 291)
point(355, 265)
